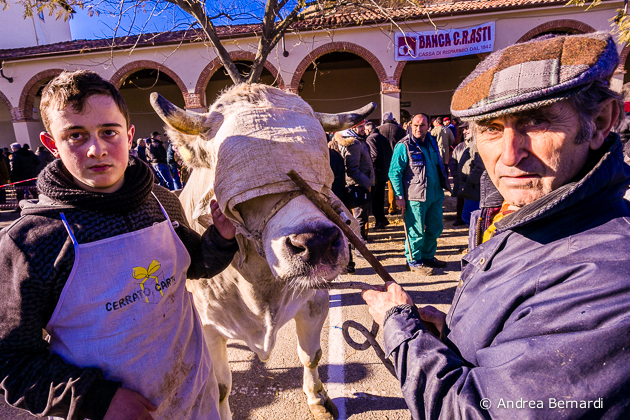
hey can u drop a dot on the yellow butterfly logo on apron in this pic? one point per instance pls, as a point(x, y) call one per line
point(144, 274)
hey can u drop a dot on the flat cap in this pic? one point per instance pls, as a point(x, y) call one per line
point(534, 74)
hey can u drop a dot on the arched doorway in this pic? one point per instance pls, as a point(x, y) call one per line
point(427, 86)
point(6, 122)
point(339, 82)
point(136, 89)
point(557, 27)
point(220, 79)
point(28, 116)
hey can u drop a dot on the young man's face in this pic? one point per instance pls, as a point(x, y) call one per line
point(93, 145)
point(530, 154)
point(359, 129)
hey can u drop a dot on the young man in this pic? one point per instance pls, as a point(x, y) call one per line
point(101, 264)
point(540, 322)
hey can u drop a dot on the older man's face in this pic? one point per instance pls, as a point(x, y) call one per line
point(419, 127)
point(530, 154)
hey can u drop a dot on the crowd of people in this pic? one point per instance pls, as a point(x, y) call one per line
point(20, 166)
point(163, 159)
point(539, 326)
point(412, 164)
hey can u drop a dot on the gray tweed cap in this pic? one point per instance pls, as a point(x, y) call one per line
point(534, 74)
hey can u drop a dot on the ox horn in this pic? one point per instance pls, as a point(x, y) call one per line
point(344, 120)
point(187, 122)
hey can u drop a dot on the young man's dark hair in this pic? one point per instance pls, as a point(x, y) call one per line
point(73, 88)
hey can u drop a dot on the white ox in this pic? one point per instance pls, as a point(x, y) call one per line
point(291, 249)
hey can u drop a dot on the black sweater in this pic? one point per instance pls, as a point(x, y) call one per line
point(36, 260)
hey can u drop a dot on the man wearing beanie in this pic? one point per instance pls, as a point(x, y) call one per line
point(539, 327)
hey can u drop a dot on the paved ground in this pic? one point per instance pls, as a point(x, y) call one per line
point(357, 382)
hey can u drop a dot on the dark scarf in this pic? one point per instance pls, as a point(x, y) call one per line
point(56, 183)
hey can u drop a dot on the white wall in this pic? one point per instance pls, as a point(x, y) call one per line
point(17, 32)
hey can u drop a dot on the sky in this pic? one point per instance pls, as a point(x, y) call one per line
point(153, 19)
point(83, 26)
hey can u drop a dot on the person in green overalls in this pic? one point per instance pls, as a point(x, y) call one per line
point(418, 178)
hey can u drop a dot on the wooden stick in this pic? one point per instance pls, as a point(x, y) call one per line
point(323, 205)
point(348, 285)
point(336, 219)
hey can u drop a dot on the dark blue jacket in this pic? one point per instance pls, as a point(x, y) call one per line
point(542, 313)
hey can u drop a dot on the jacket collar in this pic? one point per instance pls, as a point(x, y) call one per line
point(607, 176)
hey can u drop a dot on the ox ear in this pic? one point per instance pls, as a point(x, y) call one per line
point(344, 120)
point(187, 122)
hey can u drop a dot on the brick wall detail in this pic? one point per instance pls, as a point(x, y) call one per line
point(390, 86)
point(338, 47)
point(398, 72)
point(128, 69)
point(216, 64)
point(564, 25)
point(192, 101)
point(24, 112)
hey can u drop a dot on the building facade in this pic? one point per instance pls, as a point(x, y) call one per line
point(337, 63)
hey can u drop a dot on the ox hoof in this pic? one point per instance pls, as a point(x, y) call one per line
point(327, 411)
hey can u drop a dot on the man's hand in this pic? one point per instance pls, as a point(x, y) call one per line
point(129, 405)
point(400, 203)
point(222, 223)
point(434, 316)
point(382, 300)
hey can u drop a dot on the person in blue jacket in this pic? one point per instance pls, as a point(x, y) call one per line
point(539, 327)
point(417, 175)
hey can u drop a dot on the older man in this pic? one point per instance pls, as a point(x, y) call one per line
point(418, 177)
point(540, 323)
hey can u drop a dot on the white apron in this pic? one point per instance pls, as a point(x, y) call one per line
point(125, 310)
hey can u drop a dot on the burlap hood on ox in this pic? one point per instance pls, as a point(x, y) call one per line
point(257, 145)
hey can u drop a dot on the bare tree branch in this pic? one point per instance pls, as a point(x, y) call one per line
point(195, 9)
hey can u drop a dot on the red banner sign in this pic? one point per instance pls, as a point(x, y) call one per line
point(445, 43)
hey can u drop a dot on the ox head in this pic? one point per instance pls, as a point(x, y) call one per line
point(241, 150)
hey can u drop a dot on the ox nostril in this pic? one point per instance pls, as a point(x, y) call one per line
point(296, 244)
point(312, 247)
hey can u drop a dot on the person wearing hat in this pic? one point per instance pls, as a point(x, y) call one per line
point(391, 130)
point(360, 175)
point(453, 166)
point(449, 124)
point(467, 168)
point(540, 322)
point(418, 179)
point(156, 156)
point(444, 137)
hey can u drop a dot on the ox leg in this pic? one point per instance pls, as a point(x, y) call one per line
point(217, 344)
point(308, 322)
